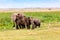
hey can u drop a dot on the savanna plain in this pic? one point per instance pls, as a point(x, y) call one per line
point(49, 29)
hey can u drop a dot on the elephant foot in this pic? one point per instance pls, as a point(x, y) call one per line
point(17, 27)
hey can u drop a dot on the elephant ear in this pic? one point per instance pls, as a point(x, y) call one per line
point(13, 16)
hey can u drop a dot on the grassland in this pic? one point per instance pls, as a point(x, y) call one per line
point(49, 30)
point(48, 19)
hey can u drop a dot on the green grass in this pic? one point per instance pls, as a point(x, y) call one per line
point(5, 20)
point(45, 17)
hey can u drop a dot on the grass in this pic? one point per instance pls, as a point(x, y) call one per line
point(30, 34)
point(5, 20)
point(49, 30)
point(47, 19)
point(45, 16)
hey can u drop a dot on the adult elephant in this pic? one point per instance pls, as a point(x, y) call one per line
point(21, 21)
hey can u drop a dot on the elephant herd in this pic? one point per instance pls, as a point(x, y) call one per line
point(21, 21)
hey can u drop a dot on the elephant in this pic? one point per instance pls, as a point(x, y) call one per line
point(35, 23)
point(21, 21)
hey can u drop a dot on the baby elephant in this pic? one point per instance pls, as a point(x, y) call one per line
point(35, 23)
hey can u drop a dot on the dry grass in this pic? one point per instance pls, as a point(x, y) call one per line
point(53, 25)
point(53, 34)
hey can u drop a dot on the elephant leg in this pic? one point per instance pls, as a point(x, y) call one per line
point(28, 26)
point(17, 24)
point(13, 25)
point(33, 26)
point(23, 26)
point(39, 26)
point(17, 27)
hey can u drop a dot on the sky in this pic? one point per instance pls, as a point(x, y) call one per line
point(29, 3)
